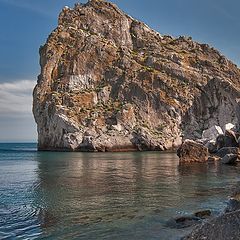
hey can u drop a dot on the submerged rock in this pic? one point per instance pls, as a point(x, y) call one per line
point(203, 214)
point(191, 151)
point(233, 205)
point(183, 222)
point(105, 73)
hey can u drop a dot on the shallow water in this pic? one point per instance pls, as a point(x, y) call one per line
point(103, 195)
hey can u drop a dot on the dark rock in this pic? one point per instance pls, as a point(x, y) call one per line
point(220, 141)
point(229, 159)
point(212, 146)
point(191, 151)
point(237, 135)
point(230, 139)
point(227, 150)
point(203, 214)
point(224, 227)
point(233, 205)
point(183, 222)
point(238, 141)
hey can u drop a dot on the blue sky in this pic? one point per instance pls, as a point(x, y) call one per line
point(25, 25)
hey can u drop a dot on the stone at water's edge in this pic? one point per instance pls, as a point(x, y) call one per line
point(191, 151)
point(228, 150)
point(229, 159)
point(188, 220)
point(223, 227)
point(110, 83)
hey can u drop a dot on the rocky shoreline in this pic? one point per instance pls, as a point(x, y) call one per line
point(215, 145)
point(223, 146)
point(225, 226)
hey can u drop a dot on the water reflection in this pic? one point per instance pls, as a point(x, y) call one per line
point(123, 195)
point(103, 195)
point(85, 189)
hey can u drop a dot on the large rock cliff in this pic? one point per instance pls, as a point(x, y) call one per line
point(108, 82)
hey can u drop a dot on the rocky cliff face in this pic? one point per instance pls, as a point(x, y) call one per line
point(108, 82)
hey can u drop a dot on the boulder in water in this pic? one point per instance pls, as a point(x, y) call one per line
point(191, 151)
point(183, 222)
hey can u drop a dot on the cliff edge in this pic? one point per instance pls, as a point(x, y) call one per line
point(110, 83)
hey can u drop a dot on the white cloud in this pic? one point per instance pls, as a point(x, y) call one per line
point(16, 98)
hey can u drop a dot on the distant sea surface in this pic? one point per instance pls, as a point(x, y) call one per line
point(94, 196)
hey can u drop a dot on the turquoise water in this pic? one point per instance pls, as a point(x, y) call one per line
point(103, 195)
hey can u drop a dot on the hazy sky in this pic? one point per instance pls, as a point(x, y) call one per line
point(25, 25)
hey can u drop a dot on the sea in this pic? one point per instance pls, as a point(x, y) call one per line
point(94, 196)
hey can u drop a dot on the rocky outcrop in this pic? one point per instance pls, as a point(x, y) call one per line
point(216, 105)
point(214, 145)
point(110, 83)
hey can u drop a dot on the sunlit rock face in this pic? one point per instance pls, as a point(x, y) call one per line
point(110, 83)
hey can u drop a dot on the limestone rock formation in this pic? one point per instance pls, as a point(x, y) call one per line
point(110, 83)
